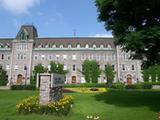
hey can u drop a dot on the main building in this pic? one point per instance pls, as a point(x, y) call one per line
point(19, 55)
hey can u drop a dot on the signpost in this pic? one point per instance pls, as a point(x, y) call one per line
point(50, 87)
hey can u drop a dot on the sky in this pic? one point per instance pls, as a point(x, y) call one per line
point(52, 18)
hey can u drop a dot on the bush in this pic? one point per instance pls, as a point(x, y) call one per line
point(3, 82)
point(85, 85)
point(139, 86)
point(147, 85)
point(31, 105)
point(23, 87)
point(118, 85)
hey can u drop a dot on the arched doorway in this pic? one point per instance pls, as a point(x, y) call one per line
point(19, 79)
point(74, 80)
point(129, 79)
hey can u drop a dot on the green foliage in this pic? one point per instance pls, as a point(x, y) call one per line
point(110, 74)
point(57, 68)
point(91, 71)
point(31, 105)
point(86, 85)
point(152, 73)
point(3, 77)
point(23, 87)
point(118, 85)
point(135, 26)
point(139, 86)
point(38, 69)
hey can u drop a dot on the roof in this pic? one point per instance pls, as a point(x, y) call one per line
point(74, 41)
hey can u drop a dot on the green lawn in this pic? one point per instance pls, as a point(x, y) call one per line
point(122, 105)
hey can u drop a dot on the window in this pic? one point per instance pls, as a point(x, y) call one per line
point(94, 46)
point(43, 57)
point(7, 67)
point(101, 46)
point(123, 67)
point(35, 57)
point(65, 67)
point(78, 46)
point(74, 57)
point(74, 68)
point(49, 57)
point(133, 67)
point(69, 46)
point(64, 57)
point(2, 56)
point(57, 57)
point(87, 46)
point(82, 68)
point(8, 57)
point(113, 66)
point(16, 67)
point(61, 46)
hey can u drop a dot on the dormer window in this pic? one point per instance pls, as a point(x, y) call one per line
point(61, 46)
point(46, 46)
point(109, 46)
point(101, 46)
point(78, 46)
point(87, 46)
point(54, 46)
point(94, 46)
point(69, 46)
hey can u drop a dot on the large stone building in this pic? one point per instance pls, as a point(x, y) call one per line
point(19, 55)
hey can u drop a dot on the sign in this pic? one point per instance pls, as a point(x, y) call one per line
point(57, 80)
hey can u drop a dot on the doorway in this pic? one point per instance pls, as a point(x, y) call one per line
point(74, 80)
point(129, 79)
point(19, 79)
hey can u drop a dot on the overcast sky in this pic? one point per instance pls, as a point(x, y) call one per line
point(52, 18)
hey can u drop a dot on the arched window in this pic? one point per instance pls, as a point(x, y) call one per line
point(87, 46)
point(109, 46)
point(54, 46)
point(69, 45)
point(47, 45)
point(94, 46)
point(40, 45)
point(78, 45)
point(61, 46)
point(101, 46)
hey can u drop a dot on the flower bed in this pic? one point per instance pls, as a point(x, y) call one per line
point(31, 105)
point(88, 90)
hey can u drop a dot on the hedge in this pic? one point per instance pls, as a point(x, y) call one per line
point(23, 87)
point(85, 85)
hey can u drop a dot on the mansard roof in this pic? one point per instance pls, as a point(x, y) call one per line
point(74, 41)
point(30, 29)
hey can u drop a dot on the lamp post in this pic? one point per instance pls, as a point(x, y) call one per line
point(25, 68)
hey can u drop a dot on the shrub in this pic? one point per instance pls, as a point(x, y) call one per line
point(85, 85)
point(146, 85)
point(139, 86)
point(23, 87)
point(118, 85)
point(31, 105)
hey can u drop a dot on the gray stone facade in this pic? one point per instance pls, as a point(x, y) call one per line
point(18, 56)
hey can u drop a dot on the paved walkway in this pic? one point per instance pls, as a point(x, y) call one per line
point(4, 88)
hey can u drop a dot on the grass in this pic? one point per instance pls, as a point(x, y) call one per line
point(113, 105)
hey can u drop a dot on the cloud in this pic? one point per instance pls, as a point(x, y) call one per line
point(18, 6)
point(103, 35)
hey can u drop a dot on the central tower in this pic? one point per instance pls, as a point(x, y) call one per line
point(21, 57)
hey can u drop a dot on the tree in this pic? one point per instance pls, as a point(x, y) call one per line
point(91, 71)
point(38, 69)
point(57, 68)
point(152, 73)
point(3, 77)
point(135, 25)
point(110, 74)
